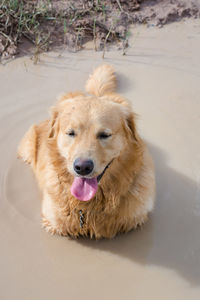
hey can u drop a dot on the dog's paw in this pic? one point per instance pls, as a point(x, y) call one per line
point(50, 228)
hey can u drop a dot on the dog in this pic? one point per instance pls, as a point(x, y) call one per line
point(94, 170)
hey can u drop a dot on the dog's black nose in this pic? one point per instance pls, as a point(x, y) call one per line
point(83, 166)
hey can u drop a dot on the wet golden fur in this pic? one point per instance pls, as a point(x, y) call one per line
point(125, 193)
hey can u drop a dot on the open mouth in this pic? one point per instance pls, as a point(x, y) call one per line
point(84, 189)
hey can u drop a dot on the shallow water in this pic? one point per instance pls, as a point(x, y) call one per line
point(160, 75)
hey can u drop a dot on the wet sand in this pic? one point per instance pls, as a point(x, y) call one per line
point(160, 75)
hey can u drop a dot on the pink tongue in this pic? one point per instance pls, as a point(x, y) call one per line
point(84, 189)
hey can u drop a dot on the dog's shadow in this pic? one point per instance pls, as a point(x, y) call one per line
point(123, 83)
point(171, 236)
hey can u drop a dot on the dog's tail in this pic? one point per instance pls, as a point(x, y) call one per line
point(102, 81)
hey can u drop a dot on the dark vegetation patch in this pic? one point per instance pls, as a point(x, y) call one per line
point(45, 24)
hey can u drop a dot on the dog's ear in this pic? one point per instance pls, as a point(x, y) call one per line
point(53, 123)
point(130, 126)
point(129, 116)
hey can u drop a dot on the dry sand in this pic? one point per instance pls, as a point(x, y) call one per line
point(159, 12)
point(74, 22)
point(160, 75)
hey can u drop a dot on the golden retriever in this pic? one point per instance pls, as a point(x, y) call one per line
point(95, 172)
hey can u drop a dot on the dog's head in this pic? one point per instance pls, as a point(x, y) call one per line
point(90, 133)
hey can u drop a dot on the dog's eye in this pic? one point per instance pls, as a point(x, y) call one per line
point(71, 133)
point(103, 135)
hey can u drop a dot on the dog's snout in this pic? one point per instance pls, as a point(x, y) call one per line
point(83, 166)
